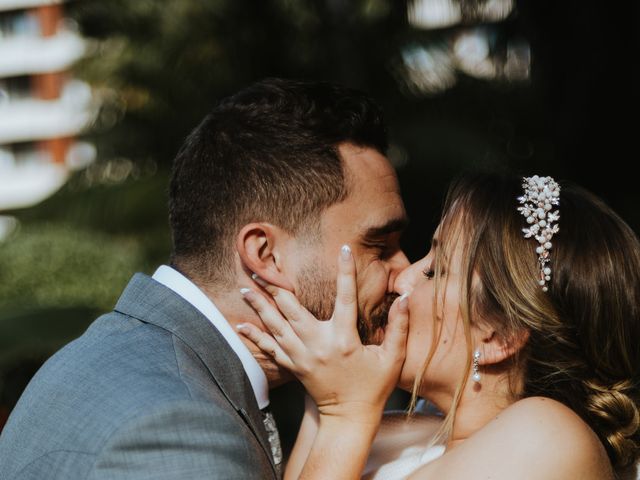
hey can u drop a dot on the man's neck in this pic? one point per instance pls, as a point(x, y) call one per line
point(235, 310)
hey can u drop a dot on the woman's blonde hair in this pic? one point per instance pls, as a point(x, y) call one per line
point(584, 332)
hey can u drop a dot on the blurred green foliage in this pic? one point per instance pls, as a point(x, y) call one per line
point(79, 247)
point(49, 265)
point(160, 66)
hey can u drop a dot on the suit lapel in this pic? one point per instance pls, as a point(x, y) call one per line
point(152, 302)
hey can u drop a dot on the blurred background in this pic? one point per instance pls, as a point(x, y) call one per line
point(97, 96)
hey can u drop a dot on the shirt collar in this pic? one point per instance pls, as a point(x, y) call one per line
point(174, 280)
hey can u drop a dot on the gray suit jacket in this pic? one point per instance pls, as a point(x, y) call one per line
point(149, 391)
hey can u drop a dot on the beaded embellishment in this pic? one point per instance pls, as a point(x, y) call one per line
point(541, 194)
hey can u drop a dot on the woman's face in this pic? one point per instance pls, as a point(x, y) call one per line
point(445, 327)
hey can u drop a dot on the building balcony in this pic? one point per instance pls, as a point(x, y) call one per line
point(31, 119)
point(29, 175)
point(7, 5)
point(28, 184)
point(27, 55)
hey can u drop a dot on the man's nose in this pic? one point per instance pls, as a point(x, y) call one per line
point(403, 284)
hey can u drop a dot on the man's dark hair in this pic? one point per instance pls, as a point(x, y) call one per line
point(266, 154)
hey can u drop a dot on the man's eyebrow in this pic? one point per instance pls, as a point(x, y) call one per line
point(392, 226)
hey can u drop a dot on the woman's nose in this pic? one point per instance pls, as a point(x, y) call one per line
point(406, 280)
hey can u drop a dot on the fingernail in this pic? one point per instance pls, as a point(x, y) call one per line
point(241, 327)
point(258, 280)
point(345, 252)
point(244, 291)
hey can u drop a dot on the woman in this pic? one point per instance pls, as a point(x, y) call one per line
point(524, 321)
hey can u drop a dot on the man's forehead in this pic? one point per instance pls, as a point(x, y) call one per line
point(365, 164)
point(386, 225)
point(373, 189)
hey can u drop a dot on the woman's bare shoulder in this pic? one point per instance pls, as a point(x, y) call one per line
point(545, 431)
point(548, 423)
point(533, 439)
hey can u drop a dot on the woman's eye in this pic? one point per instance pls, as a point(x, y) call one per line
point(429, 273)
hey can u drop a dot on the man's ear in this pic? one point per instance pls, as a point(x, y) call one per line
point(261, 247)
point(496, 348)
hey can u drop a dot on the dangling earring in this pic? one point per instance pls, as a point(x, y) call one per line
point(476, 366)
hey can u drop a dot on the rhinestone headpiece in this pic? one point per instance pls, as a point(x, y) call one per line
point(541, 194)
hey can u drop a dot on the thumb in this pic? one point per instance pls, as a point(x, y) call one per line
point(395, 338)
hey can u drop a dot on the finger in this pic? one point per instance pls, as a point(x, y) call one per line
point(268, 287)
point(275, 323)
point(346, 309)
point(289, 305)
point(266, 344)
point(395, 337)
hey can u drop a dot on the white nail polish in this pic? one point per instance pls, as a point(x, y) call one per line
point(254, 276)
point(244, 291)
point(345, 251)
point(404, 295)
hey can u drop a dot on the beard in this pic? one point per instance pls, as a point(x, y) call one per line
point(317, 293)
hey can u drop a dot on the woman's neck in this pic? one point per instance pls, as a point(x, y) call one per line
point(479, 405)
point(473, 414)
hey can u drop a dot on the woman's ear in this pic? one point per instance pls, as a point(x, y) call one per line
point(261, 247)
point(496, 348)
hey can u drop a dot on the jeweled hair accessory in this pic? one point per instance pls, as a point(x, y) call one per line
point(541, 194)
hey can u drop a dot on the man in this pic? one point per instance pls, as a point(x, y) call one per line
point(273, 182)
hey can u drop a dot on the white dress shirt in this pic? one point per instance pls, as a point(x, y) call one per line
point(184, 287)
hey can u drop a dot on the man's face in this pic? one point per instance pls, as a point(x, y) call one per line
point(370, 220)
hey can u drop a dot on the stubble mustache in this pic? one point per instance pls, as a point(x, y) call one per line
point(372, 330)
